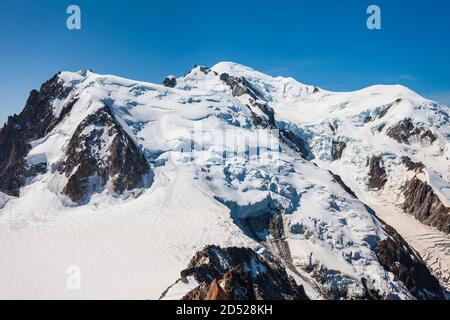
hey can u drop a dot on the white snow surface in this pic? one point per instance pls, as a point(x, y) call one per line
point(135, 248)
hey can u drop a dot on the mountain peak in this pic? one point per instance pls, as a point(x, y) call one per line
point(231, 68)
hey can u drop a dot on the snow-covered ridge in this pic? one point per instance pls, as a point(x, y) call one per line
point(263, 193)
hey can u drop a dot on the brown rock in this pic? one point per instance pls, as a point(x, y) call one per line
point(405, 130)
point(92, 161)
point(425, 205)
point(377, 173)
point(337, 149)
point(396, 256)
point(295, 142)
point(31, 124)
point(413, 166)
point(241, 274)
point(240, 86)
point(216, 292)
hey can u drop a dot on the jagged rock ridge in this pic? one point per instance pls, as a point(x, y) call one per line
point(239, 274)
point(34, 122)
point(377, 173)
point(101, 151)
point(425, 205)
point(406, 132)
point(407, 265)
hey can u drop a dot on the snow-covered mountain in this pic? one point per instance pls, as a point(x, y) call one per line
point(224, 183)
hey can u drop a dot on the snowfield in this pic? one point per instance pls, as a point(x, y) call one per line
point(219, 165)
point(131, 250)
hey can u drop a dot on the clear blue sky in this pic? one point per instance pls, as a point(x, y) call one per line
point(319, 42)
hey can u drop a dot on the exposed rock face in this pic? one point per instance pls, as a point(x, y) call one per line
point(258, 121)
point(411, 165)
point(240, 86)
point(377, 173)
point(170, 82)
point(387, 108)
point(206, 70)
point(268, 228)
point(425, 205)
point(385, 111)
point(277, 240)
point(339, 180)
point(217, 293)
point(332, 128)
point(31, 124)
point(337, 149)
point(268, 111)
point(294, 141)
point(406, 131)
point(239, 274)
point(101, 151)
point(396, 256)
point(65, 111)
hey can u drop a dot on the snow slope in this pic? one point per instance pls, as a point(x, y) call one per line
point(130, 250)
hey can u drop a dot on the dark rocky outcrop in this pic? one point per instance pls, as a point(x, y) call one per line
point(268, 111)
point(405, 130)
point(411, 165)
point(339, 180)
point(170, 82)
point(337, 149)
point(203, 69)
point(65, 111)
point(386, 109)
point(425, 205)
point(101, 151)
point(257, 120)
point(239, 274)
point(206, 70)
point(332, 128)
point(381, 127)
point(33, 123)
point(240, 86)
point(277, 240)
point(396, 256)
point(256, 227)
point(262, 121)
point(268, 228)
point(377, 173)
point(295, 142)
